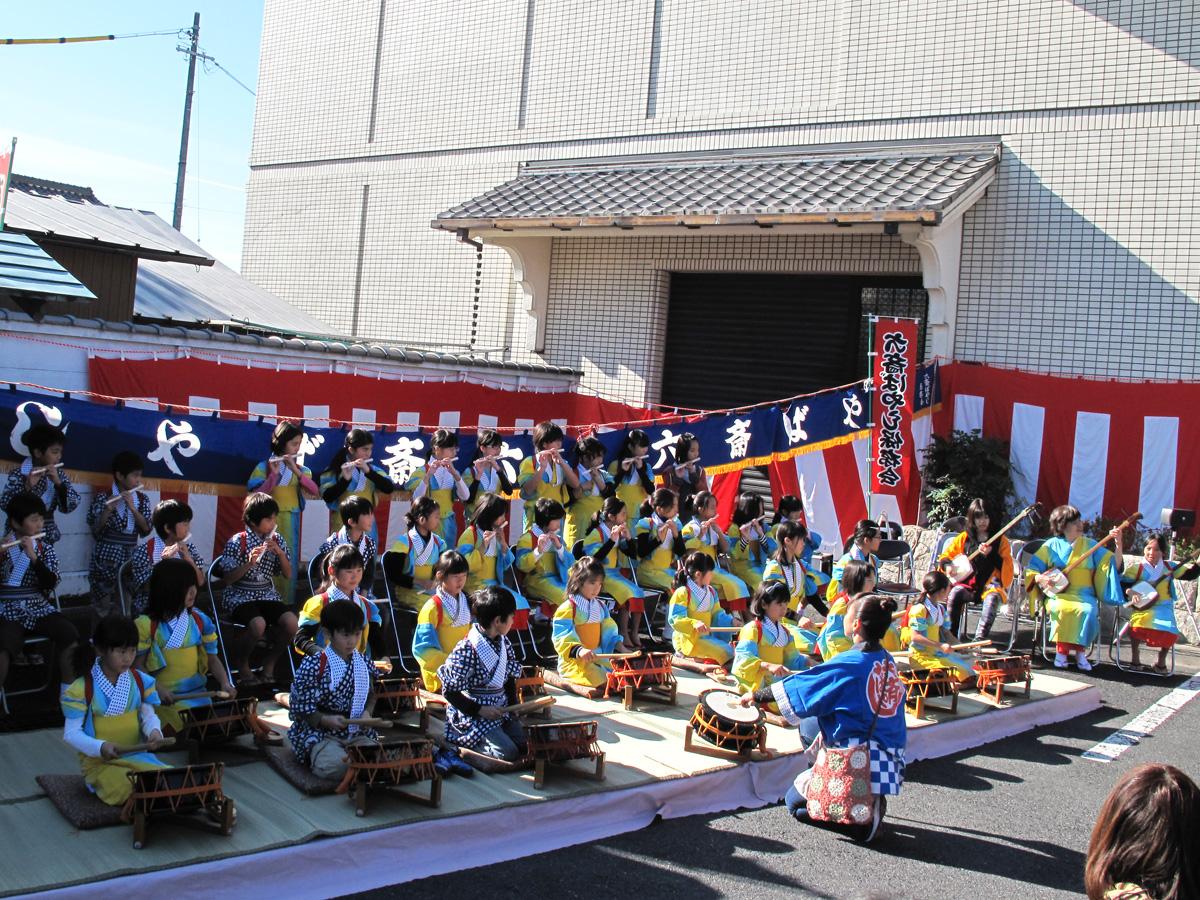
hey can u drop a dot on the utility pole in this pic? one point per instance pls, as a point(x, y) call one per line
point(177, 217)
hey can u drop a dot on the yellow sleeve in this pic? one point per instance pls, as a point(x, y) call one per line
point(955, 547)
point(143, 627)
point(681, 612)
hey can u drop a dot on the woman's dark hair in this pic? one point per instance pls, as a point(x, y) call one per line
point(258, 506)
point(1148, 834)
point(284, 434)
point(582, 572)
point(865, 530)
point(115, 632)
point(42, 437)
point(700, 500)
point(488, 437)
point(126, 462)
point(491, 603)
point(975, 511)
point(683, 445)
point(765, 594)
point(442, 439)
point(170, 581)
point(612, 507)
point(450, 563)
point(635, 438)
point(874, 615)
point(586, 448)
point(546, 511)
point(546, 433)
point(749, 506)
point(422, 508)
point(788, 531)
point(489, 508)
point(168, 514)
point(355, 438)
point(663, 498)
point(342, 616)
point(1062, 517)
point(854, 576)
point(788, 504)
point(695, 563)
point(933, 582)
point(24, 505)
point(353, 507)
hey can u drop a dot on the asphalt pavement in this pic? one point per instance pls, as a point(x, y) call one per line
point(1011, 818)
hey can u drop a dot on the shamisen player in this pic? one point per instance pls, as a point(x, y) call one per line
point(855, 698)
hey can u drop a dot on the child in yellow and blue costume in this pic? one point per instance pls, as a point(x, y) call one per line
point(594, 485)
point(351, 473)
point(111, 707)
point(925, 629)
point(769, 647)
point(609, 541)
point(787, 567)
point(343, 577)
point(1074, 613)
point(416, 552)
point(582, 628)
point(484, 544)
point(487, 473)
point(290, 485)
point(439, 479)
point(857, 577)
point(867, 538)
point(177, 643)
point(695, 610)
point(791, 509)
point(545, 475)
point(704, 535)
point(632, 471)
point(750, 541)
point(1155, 625)
point(543, 555)
point(660, 542)
point(444, 620)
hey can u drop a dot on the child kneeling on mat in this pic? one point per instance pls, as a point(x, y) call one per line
point(108, 712)
point(332, 688)
point(480, 675)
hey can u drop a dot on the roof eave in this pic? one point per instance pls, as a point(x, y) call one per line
point(748, 220)
point(128, 249)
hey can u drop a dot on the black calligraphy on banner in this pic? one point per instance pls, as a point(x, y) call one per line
point(894, 370)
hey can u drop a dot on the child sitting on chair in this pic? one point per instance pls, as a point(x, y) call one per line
point(332, 688)
point(177, 643)
point(109, 710)
point(343, 577)
point(444, 620)
point(479, 675)
point(358, 525)
point(172, 521)
point(582, 628)
point(694, 611)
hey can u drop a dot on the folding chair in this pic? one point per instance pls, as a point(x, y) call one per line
point(1121, 627)
point(900, 554)
point(1041, 616)
point(530, 653)
point(32, 640)
point(391, 572)
point(220, 623)
point(316, 575)
point(125, 587)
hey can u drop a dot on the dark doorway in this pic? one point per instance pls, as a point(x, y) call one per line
point(734, 339)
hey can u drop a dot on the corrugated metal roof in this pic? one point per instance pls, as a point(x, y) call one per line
point(29, 271)
point(81, 222)
point(347, 348)
point(915, 184)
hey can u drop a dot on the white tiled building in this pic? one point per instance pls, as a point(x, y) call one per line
point(1073, 248)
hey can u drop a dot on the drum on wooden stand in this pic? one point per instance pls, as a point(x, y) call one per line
point(926, 684)
point(649, 674)
point(390, 763)
point(555, 743)
point(222, 721)
point(721, 721)
point(178, 791)
point(394, 697)
point(997, 671)
point(531, 685)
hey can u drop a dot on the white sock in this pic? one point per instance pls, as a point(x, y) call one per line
point(1060, 660)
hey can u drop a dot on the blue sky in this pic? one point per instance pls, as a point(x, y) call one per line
point(108, 114)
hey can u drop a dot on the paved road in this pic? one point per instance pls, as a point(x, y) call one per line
point(1009, 819)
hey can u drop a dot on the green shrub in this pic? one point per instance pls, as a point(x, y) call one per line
point(962, 467)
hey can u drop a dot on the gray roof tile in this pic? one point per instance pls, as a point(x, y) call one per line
point(27, 270)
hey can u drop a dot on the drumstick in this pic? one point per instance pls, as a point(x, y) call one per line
point(724, 629)
point(616, 655)
point(371, 722)
point(142, 748)
point(970, 645)
point(528, 705)
point(200, 695)
point(10, 544)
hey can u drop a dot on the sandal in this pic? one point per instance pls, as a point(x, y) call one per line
point(1159, 670)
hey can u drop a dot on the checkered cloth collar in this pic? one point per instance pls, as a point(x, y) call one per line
point(47, 491)
point(362, 681)
point(793, 574)
point(774, 634)
point(116, 696)
point(422, 549)
point(493, 657)
point(703, 598)
point(343, 537)
point(593, 612)
point(456, 609)
point(122, 509)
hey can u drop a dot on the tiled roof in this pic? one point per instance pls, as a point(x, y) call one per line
point(891, 184)
point(28, 271)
